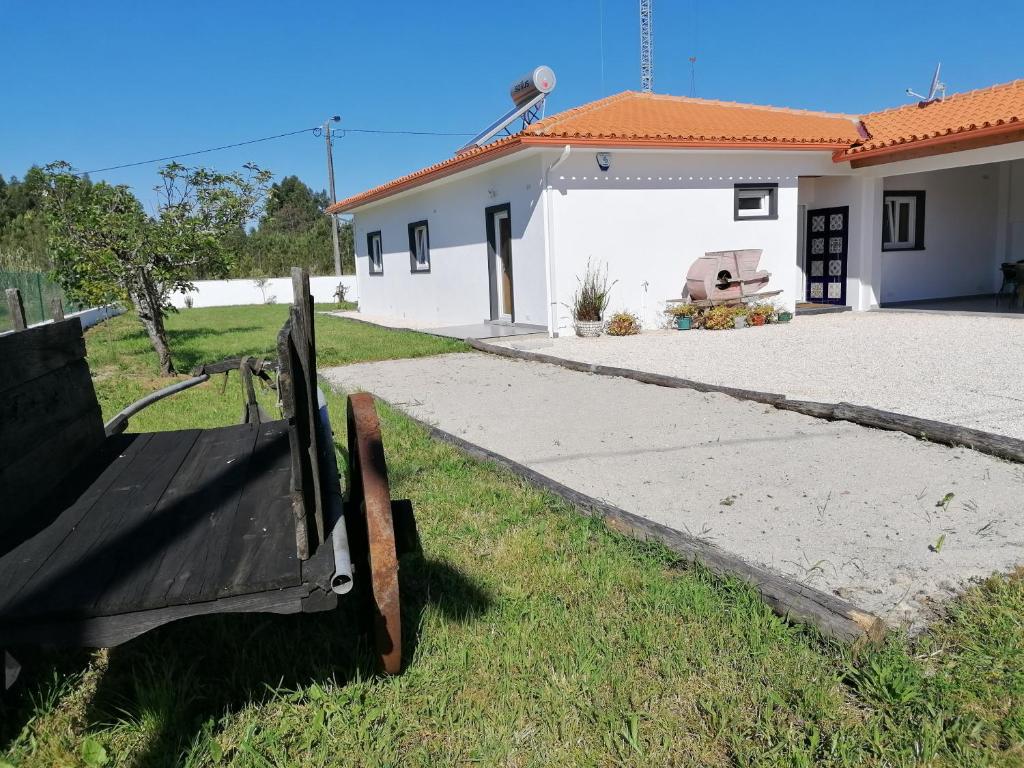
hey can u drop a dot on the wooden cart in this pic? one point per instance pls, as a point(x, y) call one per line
point(105, 535)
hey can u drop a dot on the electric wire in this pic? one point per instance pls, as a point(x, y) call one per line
point(316, 131)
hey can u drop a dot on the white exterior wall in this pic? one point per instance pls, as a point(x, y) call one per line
point(228, 293)
point(456, 291)
point(653, 213)
point(959, 255)
point(862, 196)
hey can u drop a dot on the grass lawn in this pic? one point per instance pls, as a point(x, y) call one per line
point(538, 638)
point(124, 367)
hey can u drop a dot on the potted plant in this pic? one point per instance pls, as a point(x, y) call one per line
point(623, 324)
point(739, 316)
point(590, 301)
point(783, 316)
point(720, 318)
point(758, 314)
point(684, 316)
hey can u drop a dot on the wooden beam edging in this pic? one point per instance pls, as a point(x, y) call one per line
point(834, 617)
point(1000, 446)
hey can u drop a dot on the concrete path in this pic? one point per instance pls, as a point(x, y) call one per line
point(849, 510)
point(953, 368)
point(482, 330)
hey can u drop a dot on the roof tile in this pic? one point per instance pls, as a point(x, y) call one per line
point(961, 113)
point(655, 120)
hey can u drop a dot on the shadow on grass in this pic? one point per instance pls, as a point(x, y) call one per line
point(175, 684)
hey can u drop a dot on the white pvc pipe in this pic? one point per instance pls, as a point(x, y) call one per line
point(549, 256)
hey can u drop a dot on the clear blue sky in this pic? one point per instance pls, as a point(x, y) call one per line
point(104, 83)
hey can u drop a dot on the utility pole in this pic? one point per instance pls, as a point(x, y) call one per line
point(334, 196)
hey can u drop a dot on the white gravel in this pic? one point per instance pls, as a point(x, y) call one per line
point(960, 369)
point(845, 509)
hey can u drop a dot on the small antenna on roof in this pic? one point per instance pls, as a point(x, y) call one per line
point(937, 85)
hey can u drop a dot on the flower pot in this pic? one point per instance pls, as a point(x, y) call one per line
point(785, 317)
point(739, 322)
point(684, 322)
point(589, 329)
point(757, 320)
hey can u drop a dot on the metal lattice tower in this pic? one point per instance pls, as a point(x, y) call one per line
point(646, 47)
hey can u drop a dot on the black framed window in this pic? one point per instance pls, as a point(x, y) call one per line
point(755, 201)
point(903, 221)
point(419, 247)
point(375, 252)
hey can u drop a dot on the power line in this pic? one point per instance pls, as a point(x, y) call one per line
point(202, 151)
point(316, 131)
point(343, 131)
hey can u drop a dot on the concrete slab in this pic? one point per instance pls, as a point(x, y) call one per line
point(486, 331)
point(1000, 306)
point(862, 513)
point(480, 330)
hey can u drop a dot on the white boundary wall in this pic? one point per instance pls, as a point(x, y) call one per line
point(89, 317)
point(226, 293)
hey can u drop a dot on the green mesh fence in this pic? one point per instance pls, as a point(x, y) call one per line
point(36, 293)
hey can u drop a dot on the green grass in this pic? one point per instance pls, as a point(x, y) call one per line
point(125, 369)
point(537, 637)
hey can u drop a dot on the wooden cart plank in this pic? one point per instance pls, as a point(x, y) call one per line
point(202, 550)
point(160, 532)
point(95, 551)
point(261, 551)
point(111, 631)
point(101, 548)
point(19, 565)
point(36, 411)
point(39, 351)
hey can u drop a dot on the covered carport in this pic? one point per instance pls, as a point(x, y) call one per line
point(936, 195)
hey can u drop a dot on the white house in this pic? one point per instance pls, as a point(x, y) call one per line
point(924, 201)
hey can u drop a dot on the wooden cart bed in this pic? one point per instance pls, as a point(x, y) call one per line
point(104, 536)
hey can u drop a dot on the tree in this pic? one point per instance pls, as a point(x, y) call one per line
point(106, 248)
point(293, 207)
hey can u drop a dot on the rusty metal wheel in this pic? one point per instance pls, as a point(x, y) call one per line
point(370, 494)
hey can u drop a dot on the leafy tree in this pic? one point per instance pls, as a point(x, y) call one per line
point(293, 207)
point(22, 227)
point(106, 248)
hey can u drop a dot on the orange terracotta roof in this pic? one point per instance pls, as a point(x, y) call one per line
point(641, 117)
point(656, 121)
point(632, 119)
point(995, 109)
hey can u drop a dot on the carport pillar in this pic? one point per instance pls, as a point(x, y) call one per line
point(865, 268)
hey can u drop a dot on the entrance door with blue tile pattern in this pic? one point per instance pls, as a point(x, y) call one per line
point(827, 247)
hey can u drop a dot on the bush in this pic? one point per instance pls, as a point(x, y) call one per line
point(719, 318)
point(623, 324)
point(767, 311)
point(683, 310)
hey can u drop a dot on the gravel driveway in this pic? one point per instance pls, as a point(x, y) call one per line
point(855, 511)
point(959, 369)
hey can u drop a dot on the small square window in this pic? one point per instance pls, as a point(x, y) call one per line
point(755, 201)
point(419, 247)
point(375, 251)
point(903, 221)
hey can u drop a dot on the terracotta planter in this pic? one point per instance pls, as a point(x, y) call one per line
point(758, 320)
point(684, 322)
point(589, 329)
